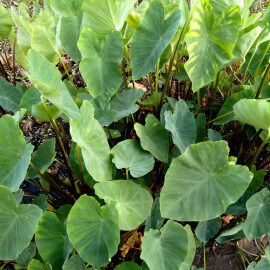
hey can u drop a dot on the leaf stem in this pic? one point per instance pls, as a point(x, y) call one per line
point(127, 173)
point(250, 60)
point(199, 100)
point(263, 81)
point(220, 117)
point(151, 82)
point(156, 86)
point(259, 150)
point(80, 162)
point(65, 68)
point(174, 55)
point(204, 257)
point(124, 73)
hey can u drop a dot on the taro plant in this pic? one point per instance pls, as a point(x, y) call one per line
point(161, 126)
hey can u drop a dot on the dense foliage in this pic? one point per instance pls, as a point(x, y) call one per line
point(169, 132)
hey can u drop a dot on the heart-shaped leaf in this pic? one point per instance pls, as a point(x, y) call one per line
point(151, 38)
point(154, 137)
point(128, 266)
point(17, 225)
point(182, 125)
point(74, 263)
point(89, 135)
point(133, 202)
point(106, 16)
point(129, 154)
point(165, 249)
point(216, 36)
point(6, 22)
point(100, 65)
point(258, 218)
point(94, 230)
point(52, 241)
point(124, 103)
point(48, 80)
point(200, 184)
point(15, 154)
point(253, 112)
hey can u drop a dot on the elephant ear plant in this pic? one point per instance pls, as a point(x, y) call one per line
point(167, 134)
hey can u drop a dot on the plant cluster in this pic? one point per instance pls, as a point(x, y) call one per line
point(170, 133)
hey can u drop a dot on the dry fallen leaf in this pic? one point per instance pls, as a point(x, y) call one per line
point(227, 218)
point(134, 240)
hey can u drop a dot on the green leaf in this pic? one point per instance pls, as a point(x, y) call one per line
point(124, 103)
point(220, 6)
point(18, 196)
point(74, 263)
point(106, 16)
point(27, 255)
point(200, 184)
point(103, 113)
point(253, 112)
point(151, 38)
point(94, 230)
point(154, 221)
point(216, 36)
point(128, 266)
point(52, 242)
point(89, 135)
point(17, 225)
point(10, 96)
point(6, 22)
point(258, 218)
point(41, 202)
point(200, 121)
point(129, 154)
point(263, 264)
point(48, 81)
point(43, 39)
point(133, 202)
point(37, 265)
point(182, 125)
point(191, 250)
point(15, 154)
point(43, 158)
point(167, 248)
point(235, 233)
point(66, 8)
point(208, 229)
point(100, 65)
point(39, 112)
point(213, 135)
point(153, 138)
point(229, 103)
point(31, 97)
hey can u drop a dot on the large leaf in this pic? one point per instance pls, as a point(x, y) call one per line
point(154, 220)
point(43, 38)
point(17, 225)
point(52, 242)
point(151, 38)
point(165, 249)
point(6, 22)
point(100, 65)
point(15, 154)
point(27, 255)
point(129, 154)
point(89, 135)
point(263, 264)
point(220, 6)
point(48, 80)
point(258, 218)
point(43, 158)
point(128, 266)
point(37, 265)
point(94, 230)
point(253, 112)
point(124, 103)
point(107, 15)
point(208, 229)
point(10, 96)
point(200, 184)
point(154, 137)
point(132, 201)
point(210, 42)
point(182, 125)
point(234, 233)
